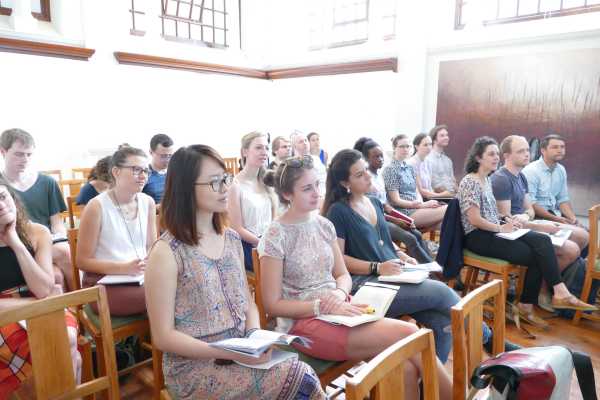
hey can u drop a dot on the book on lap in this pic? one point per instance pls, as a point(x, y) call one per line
point(514, 235)
point(406, 277)
point(122, 280)
point(258, 342)
point(403, 217)
point(277, 356)
point(559, 238)
point(378, 296)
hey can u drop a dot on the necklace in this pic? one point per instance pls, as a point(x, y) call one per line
point(131, 241)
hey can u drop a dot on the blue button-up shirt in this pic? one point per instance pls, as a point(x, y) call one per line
point(547, 186)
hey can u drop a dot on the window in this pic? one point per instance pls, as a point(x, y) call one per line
point(40, 9)
point(337, 23)
point(137, 20)
point(491, 12)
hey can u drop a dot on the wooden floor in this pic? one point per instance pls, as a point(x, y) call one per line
point(585, 337)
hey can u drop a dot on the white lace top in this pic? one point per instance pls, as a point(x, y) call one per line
point(256, 208)
point(307, 255)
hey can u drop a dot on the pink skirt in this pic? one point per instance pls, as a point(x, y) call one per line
point(329, 342)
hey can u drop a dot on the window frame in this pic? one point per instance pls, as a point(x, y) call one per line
point(561, 12)
point(44, 15)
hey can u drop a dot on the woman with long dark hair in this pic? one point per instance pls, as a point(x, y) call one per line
point(481, 223)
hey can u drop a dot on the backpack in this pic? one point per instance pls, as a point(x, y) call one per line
point(536, 373)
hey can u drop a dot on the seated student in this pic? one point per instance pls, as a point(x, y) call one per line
point(368, 251)
point(251, 204)
point(442, 170)
point(117, 229)
point(26, 275)
point(303, 276)
point(481, 222)
point(422, 146)
point(98, 181)
point(281, 150)
point(301, 148)
point(548, 191)
point(510, 190)
point(161, 150)
point(402, 189)
point(315, 147)
point(197, 293)
point(41, 196)
point(408, 235)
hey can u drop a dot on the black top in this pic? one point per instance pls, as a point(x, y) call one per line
point(10, 271)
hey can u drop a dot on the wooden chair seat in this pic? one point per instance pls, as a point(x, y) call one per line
point(115, 322)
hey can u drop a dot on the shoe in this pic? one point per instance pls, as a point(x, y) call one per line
point(533, 319)
point(508, 346)
point(572, 303)
point(545, 302)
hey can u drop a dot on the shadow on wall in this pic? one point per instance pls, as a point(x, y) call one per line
point(531, 95)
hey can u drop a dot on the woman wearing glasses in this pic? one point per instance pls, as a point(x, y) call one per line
point(197, 293)
point(304, 275)
point(252, 205)
point(403, 192)
point(116, 231)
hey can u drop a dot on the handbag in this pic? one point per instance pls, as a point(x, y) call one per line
point(536, 373)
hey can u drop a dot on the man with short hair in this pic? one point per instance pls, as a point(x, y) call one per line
point(161, 150)
point(40, 195)
point(281, 150)
point(442, 170)
point(548, 192)
point(510, 190)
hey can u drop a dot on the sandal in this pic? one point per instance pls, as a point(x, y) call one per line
point(533, 319)
point(572, 303)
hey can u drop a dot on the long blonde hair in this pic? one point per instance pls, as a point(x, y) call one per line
point(247, 140)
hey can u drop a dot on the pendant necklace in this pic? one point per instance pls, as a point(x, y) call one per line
point(131, 241)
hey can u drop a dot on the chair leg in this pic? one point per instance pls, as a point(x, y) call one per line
point(520, 284)
point(468, 278)
point(87, 365)
point(585, 293)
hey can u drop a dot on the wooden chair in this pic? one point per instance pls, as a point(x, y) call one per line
point(54, 173)
point(327, 371)
point(71, 187)
point(49, 345)
point(467, 318)
point(74, 211)
point(231, 165)
point(81, 173)
point(383, 377)
point(122, 327)
point(593, 264)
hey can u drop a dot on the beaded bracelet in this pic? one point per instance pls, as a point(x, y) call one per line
point(317, 307)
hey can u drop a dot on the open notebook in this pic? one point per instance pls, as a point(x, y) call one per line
point(258, 342)
point(122, 280)
point(559, 238)
point(412, 273)
point(377, 295)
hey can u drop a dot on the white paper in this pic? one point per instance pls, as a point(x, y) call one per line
point(406, 277)
point(122, 279)
point(514, 235)
point(277, 356)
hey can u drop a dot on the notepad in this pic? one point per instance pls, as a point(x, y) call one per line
point(514, 235)
point(559, 238)
point(122, 280)
point(258, 342)
point(405, 277)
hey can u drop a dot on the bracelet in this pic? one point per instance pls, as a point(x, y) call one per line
point(371, 268)
point(317, 307)
point(378, 265)
point(250, 332)
point(343, 291)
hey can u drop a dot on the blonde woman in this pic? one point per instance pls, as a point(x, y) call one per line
point(251, 204)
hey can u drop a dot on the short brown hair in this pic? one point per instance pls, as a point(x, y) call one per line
point(10, 136)
point(434, 131)
point(506, 145)
point(277, 142)
point(546, 140)
point(178, 205)
point(398, 138)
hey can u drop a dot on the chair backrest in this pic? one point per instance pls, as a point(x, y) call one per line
point(262, 314)
point(383, 377)
point(231, 165)
point(72, 237)
point(467, 319)
point(74, 210)
point(54, 173)
point(71, 187)
point(81, 173)
point(49, 345)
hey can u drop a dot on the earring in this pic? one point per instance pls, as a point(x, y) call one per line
point(348, 190)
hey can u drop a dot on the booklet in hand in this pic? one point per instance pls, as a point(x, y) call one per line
point(559, 238)
point(377, 296)
point(122, 280)
point(277, 356)
point(414, 276)
point(403, 217)
point(258, 342)
point(514, 235)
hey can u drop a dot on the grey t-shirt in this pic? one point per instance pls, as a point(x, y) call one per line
point(507, 186)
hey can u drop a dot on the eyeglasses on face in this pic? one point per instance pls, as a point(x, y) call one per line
point(217, 184)
point(135, 170)
point(295, 162)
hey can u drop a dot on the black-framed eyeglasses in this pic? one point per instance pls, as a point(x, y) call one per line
point(217, 184)
point(135, 170)
point(295, 162)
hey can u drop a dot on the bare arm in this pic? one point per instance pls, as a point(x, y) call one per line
point(394, 198)
point(151, 233)
point(567, 211)
point(89, 231)
point(57, 225)
point(234, 210)
point(361, 267)
point(475, 219)
point(542, 213)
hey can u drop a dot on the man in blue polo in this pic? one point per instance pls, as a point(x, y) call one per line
point(548, 192)
point(161, 150)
